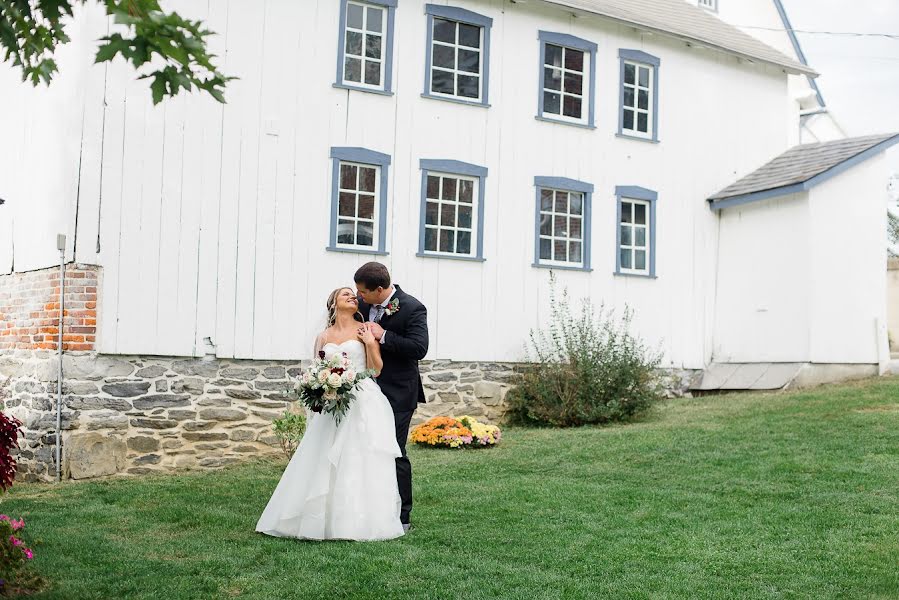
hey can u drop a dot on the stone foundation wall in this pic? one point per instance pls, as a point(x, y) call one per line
point(140, 414)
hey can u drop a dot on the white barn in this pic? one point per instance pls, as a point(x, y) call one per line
point(470, 145)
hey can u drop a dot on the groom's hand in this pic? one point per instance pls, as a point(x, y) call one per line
point(376, 330)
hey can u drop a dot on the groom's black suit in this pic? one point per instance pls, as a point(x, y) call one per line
point(405, 343)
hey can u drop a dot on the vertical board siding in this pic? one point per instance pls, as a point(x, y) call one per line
point(213, 219)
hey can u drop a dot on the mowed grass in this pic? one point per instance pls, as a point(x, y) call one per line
point(738, 496)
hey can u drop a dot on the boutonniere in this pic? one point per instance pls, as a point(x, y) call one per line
point(393, 307)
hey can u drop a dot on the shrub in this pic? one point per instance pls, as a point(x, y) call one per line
point(17, 578)
point(289, 429)
point(588, 369)
point(449, 432)
point(10, 428)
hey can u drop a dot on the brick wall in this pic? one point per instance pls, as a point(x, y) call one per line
point(29, 309)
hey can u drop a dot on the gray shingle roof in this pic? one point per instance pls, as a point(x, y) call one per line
point(803, 166)
point(685, 21)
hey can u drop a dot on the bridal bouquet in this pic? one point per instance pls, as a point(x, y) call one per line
point(327, 386)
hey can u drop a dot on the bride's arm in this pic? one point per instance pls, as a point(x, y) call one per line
point(372, 350)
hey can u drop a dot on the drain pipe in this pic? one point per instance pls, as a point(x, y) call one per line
point(61, 246)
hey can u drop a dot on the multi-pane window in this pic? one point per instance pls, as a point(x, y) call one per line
point(458, 54)
point(563, 81)
point(450, 214)
point(633, 240)
point(566, 79)
point(563, 223)
point(456, 59)
point(712, 4)
point(637, 99)
point(561, 230)
point(452, 209)
point(638, 114)
point(356, 207)
point(358, 200)
point(363, 61)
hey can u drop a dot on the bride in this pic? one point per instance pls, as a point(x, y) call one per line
point(341, 482)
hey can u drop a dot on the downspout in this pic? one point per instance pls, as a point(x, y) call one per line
point(61, 246)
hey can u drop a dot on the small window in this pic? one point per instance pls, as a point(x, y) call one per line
point(365, 52)
point(636, 231)
point(634, 238)
point(639, 95)
point(563, 223)
point(566, 79)
point(709, 4)
point(458, 54)
point(452, 209)
point(359, 197)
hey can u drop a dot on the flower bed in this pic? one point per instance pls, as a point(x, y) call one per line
point(449, 432)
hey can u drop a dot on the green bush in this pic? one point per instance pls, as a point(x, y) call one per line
point(587, 369)
point(289, 429)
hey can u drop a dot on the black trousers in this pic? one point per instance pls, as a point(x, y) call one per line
point(403, 466)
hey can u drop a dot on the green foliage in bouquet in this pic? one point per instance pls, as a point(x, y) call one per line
point(588, 369)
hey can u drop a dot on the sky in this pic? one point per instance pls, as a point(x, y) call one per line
point(859, 75)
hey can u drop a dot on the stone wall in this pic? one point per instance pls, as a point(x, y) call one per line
point(140, 414)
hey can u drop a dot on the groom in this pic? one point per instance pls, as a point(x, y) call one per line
point(400, 323)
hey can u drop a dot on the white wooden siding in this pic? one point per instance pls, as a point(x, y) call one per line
point(213, 220)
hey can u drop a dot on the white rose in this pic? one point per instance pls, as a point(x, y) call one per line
point(306, 378)
point(334, 380)
point(323, 375)
point(349, 376)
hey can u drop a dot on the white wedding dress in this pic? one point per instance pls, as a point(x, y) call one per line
point(341, 482)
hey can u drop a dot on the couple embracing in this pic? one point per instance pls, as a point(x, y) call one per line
point(353, 480)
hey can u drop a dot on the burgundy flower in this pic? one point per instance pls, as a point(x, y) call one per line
point(316, 409)
point(321, 354)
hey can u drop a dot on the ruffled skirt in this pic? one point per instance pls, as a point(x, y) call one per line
point(341, 482)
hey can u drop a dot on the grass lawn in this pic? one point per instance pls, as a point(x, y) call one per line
point(739, 496)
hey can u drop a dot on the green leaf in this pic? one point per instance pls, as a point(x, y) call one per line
point(158, 87)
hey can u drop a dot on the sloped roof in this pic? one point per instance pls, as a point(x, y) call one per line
point(685, 21)
point(801, 168)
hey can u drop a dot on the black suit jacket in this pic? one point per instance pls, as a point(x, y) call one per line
point(406, 344)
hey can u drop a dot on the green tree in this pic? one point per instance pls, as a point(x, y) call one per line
point(31, 30)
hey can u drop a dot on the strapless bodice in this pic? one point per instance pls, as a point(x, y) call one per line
point(354, 350)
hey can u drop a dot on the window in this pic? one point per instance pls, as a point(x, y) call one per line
point(365, 55)
point(636, 231)
point(638, 115)
point(710, 4)
point(452, 209)
point(567, 69)
point(458, 53)
point(563, 223)
point(359, 200)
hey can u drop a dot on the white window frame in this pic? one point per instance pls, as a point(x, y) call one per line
point(366, 159)
point(460, 17)
point(632, 247)
point(708, 4)
point(635, 108)
point(365, 33)
point(552, 237)
point(375, 220)
point(455, 70)
point(568, 43)
point(475, 206)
